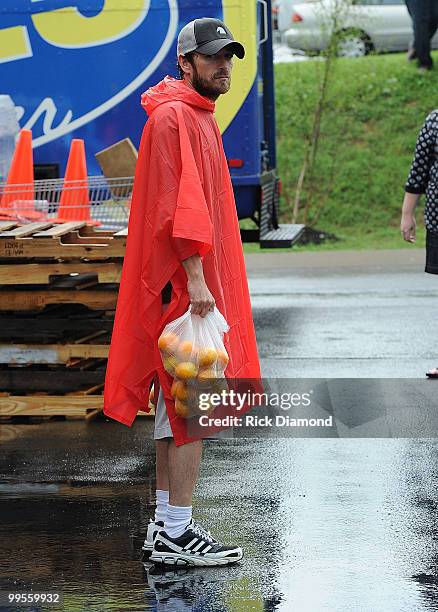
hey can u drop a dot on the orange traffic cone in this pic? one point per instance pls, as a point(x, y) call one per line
point(18, 195)
point(74, 204)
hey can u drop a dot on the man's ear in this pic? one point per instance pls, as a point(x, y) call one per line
point(183, 61)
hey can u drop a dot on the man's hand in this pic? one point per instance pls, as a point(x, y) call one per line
point(408, 227)
point(201, 299)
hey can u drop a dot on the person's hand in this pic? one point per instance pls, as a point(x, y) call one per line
point(201, 299)
point(408, 228)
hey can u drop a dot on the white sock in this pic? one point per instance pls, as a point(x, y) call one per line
point(178, 517)
point(162, 502)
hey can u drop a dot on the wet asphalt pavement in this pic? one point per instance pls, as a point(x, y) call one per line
point(326, 523)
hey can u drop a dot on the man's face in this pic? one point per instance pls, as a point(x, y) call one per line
point(211, 74)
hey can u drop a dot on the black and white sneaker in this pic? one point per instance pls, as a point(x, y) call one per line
point(195, 547)
point(153, 529)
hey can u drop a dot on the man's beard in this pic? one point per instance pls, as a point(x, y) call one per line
point(206, 88)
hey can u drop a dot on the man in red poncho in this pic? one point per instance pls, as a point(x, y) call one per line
point(183, 236)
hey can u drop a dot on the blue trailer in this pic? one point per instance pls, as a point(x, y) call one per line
point(76, 69)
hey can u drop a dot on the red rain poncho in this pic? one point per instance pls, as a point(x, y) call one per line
point(182, 204)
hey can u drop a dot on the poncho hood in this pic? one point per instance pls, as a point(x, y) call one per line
point(173, 90)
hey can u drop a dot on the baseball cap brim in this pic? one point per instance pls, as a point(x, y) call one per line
point(215, 46)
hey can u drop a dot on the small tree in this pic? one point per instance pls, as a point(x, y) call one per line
point(333, 17)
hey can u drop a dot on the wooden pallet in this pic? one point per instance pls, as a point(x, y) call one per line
point(15, 229)
point(47, 405)
point(58, 293)
point(46, 273)
point(51, 380)
point(74, 240)
point(40, 328)
point(50, 353)
point(28, 301)
point(70, 405)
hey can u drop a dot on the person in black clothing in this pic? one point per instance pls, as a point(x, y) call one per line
point(423, 178)
point(424, 14)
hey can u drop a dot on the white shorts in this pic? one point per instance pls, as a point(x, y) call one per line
point(162, 427)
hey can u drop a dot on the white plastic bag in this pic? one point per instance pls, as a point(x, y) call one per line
point(193, 352)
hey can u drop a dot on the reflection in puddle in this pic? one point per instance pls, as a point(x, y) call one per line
point(323, 523)
point(85, 541)
point(183, 589)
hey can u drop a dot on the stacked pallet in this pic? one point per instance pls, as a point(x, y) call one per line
point(58, 293)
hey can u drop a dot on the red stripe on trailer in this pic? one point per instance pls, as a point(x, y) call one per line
point(235, 163)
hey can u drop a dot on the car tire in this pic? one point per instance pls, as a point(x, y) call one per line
point(353, 44)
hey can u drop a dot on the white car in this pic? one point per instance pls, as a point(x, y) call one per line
point(366, 25)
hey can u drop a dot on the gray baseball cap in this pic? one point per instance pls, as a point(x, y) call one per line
point(207, 36)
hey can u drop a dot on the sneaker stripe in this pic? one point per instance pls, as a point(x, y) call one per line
point(198, 546)
point(190, 544)
point(206, 549)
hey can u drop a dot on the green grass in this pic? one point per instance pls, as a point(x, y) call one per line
point(375, 108)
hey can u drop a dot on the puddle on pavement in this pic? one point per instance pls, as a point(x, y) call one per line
point(325, 524)
point(85, 541)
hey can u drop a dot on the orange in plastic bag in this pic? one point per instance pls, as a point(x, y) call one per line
point(193, 352)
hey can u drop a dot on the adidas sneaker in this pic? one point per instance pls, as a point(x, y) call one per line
point(195, 547)
point(153, 529)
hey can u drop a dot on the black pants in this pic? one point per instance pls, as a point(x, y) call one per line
point(424, 14)
point(431, 253)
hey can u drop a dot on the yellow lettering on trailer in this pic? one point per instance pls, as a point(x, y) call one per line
point(241, 18)
point(69, 29)
point(14, 44)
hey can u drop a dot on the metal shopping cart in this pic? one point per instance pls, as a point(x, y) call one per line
point(101, 201)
